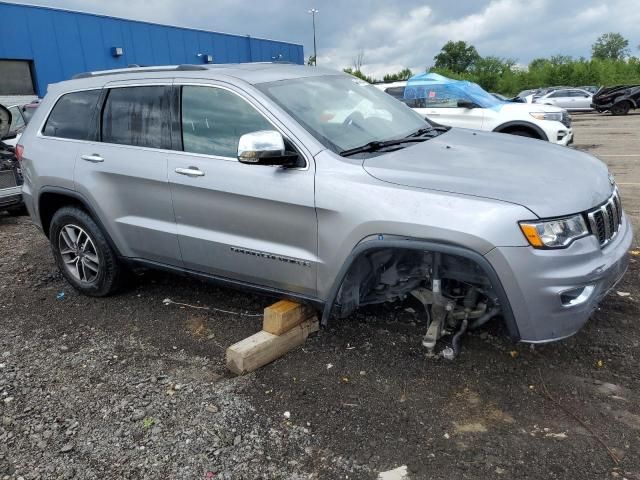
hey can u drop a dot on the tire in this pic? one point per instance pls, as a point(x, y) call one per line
point(73, 234)
point(621, 108)
point(522, 133)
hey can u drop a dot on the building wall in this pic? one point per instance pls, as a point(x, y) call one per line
point(62, 43)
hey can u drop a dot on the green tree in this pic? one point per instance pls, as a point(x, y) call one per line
point(360, 75)
point(610, 46)
point(404, 74)
point(312, 60)
point(456, 56)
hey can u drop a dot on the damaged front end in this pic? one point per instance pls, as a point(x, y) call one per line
point(457, 293)
point(10, 173)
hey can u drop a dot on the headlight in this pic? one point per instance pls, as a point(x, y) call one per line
point(556, 116)
point(554, 233)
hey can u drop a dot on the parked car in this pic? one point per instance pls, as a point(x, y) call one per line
point(20, 116)
point(10, 173)
point(590, 88)
point(571, 99)
point(502, 98)
point(464, 104)
point(618, 100)
point(244, 174)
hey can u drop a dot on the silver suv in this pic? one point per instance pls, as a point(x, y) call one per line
point(317, 186)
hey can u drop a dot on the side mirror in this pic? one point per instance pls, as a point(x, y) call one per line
point(466, 104)
point(265, 147)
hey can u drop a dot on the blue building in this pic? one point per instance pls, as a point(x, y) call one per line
point(42, 45)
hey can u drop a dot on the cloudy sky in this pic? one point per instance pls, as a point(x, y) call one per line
point(398, 33)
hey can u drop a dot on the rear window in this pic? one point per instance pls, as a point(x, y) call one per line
point(138, 116)
point(72, 115)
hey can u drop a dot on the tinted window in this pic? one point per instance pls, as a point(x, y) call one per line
point(72, 115)
point(213, 120)
point(558, 93)
point(138, 116)
point(396, 92)
point(17, 121)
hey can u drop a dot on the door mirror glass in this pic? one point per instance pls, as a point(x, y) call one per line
point(464, 103)
point(265, 147)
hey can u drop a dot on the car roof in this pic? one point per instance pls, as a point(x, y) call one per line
point(253, 73)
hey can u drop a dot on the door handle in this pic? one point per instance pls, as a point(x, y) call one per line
point(190, 172)
point(94, 158)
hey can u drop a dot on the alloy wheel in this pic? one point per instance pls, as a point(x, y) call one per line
point(79, 254)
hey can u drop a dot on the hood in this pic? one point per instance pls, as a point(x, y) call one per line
point(526, 108)
point(548, 179)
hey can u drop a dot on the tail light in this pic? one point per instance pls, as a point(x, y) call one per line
point(19, 152)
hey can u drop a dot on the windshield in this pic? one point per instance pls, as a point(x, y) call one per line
point(433, 90)
point(344, 112)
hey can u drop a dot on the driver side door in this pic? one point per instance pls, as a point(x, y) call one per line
point(249, 223)
point(441, 105)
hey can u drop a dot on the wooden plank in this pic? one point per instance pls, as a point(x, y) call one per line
point(282, 316)
point(262, 348)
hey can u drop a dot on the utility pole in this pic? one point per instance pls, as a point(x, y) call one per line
point(313, 12)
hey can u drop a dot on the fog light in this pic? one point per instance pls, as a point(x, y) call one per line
point(576, 296)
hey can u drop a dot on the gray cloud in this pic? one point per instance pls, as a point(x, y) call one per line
point(394, 35)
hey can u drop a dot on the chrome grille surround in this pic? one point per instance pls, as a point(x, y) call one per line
point(605, 220)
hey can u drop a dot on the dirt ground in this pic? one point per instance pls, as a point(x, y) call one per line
point(127, 387)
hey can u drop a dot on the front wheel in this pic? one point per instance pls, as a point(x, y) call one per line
point(83, 254)
point(522, 133)
point(621, 108)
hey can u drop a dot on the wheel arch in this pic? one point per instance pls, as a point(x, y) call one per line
point(522, 125)
point(52, 199)
point(430, 246)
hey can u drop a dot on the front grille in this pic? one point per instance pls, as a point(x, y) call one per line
point(7, 179)
point(566, 119)
point(606, 219)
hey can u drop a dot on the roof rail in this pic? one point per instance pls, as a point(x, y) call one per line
point(137, 68)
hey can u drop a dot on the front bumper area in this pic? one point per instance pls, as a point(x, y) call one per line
point(534, 281)
point(10, 197)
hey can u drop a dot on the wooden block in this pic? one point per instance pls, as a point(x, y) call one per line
point(282, 316)
point(262, 348)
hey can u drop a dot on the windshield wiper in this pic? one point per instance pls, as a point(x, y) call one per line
point(420, 132)
point(376, 146)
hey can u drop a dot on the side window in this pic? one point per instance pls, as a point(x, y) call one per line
point(396, 92)
point(213, 120)
point(138, 116)
point(434, 96)
point(17, 122)
point(558, 94)
point(72, 115)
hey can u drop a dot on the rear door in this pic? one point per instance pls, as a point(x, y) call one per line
point(251, 223)
point(123, 172)
point(440, 104)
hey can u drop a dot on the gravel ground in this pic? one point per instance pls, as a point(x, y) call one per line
point(127, 387)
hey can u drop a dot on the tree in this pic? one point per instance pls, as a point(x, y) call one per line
point(404, 74)
point(359, 74)
point(312, 60)
point(456, 56)
point(610, 46)
point(358, 62)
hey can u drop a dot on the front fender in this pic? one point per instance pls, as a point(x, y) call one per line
point(424, 245)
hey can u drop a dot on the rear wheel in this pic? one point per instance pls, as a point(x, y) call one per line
point(83, 254)
point(621, 108)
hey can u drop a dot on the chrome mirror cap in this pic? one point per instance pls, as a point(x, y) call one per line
point(258, 147)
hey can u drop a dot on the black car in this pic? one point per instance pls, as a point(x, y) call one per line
point(618, 99)
point(10, 173)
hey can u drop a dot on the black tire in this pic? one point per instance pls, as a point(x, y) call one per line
point(621, 108)
point(522, 133)
point(108, 277)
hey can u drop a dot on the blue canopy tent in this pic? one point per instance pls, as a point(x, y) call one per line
point(431, 89)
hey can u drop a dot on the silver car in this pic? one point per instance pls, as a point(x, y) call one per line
point(317, 186)
point(572, 99)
